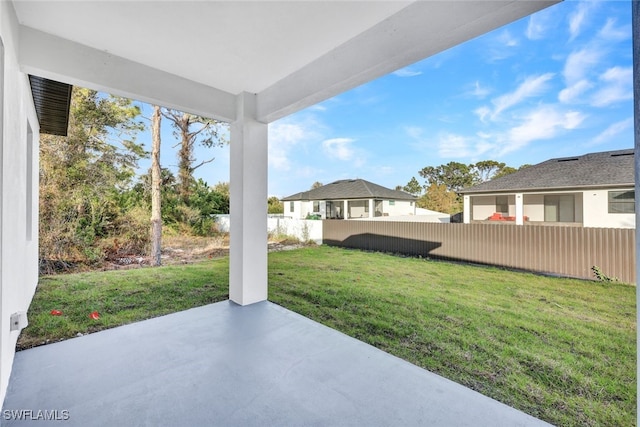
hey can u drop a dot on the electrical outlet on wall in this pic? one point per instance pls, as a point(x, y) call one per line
point(19, 321)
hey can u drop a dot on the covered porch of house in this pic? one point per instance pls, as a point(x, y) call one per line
point(244, 361)
point(223, 364)
point(560, 208)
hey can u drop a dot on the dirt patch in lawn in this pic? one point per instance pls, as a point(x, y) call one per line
point(175, 250)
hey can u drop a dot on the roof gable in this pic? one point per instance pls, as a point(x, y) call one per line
point(350, 189)
point(604, 169)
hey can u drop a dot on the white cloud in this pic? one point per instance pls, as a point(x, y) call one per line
point(612, 130)
point(502, 46)
point(479, 91)
point(532, 86)
point(454, 146)
point(284, 135)
point(612, 33)
point(577, 18)
point(536, 27)
point(572, 93)
point(414, 132)
point(545, 122)
point(579, 63)
point(406, 72)
point(618, 82)
point(339, 148)
point(507, 39)
point(482, 112)
point(318, 107)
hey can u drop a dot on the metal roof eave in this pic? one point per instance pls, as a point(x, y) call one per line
point(52, 101)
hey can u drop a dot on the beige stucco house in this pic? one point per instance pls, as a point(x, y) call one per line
point(349, 199)
point(591, 190)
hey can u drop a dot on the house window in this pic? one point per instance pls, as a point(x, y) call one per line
point(559, 208)
point(502, 204)
point(316, 206)
point(622, 201)
point(291, 207)
point(392, 202)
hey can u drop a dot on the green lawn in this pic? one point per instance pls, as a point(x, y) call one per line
point(562, 350)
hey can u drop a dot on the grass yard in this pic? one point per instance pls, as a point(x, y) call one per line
point(562, 350)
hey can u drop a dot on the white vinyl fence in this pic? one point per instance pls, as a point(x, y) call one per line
point(302, 229)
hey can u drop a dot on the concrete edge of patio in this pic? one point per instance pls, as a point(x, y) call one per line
point(223, 364)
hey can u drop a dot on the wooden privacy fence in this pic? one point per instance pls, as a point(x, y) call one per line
point(563, 250)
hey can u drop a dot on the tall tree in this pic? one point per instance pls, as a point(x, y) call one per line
point(439, 198)
point(81, 175)
point(316, 184)
point(274, 205)
point(222, 188)
point(156, 181)
point(454, 175)
point(413, 187)
point(487, 169)
point(191, 129)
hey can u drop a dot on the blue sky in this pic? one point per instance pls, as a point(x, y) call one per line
point(558, 83)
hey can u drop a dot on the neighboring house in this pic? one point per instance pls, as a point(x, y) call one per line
point(349, 199)
point(592, 190)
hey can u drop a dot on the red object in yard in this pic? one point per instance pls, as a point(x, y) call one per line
point(56, 313)
point(496, 217)
point(95, 315)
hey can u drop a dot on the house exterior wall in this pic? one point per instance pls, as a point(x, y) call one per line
point(398, 207)
point(482, 207)
point(358, 208)
point(511, 200)
point(534, 207)
point(596, 211)
point(591, 208)
point(19, 188)
point(300, 209)
point(355, 209)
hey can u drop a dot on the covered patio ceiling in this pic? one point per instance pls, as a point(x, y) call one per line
point(197, 56)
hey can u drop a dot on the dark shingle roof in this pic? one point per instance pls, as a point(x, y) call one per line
point(350, 189)
point(605, 169)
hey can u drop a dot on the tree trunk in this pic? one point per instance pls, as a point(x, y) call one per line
point(156, 216)
point(185, 174)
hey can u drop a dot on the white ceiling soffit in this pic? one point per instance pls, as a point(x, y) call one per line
point(292, 54)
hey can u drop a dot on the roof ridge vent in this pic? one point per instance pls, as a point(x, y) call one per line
point(622, 154)
point(568, 159)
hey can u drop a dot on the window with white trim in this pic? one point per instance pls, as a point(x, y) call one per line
point(622, 202)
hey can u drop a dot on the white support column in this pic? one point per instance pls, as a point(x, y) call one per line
point(248, 199)
point(372, 206)
point(519, 209)
point(466, 210)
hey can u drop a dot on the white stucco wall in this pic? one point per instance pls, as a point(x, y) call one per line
point(400, 207)
point(596, 211)
point(19, 204)
point(300, 209)
point(534, 207)
point(358, 209)
point(482, 207)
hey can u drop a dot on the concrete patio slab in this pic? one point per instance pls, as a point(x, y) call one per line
point(222, 364)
